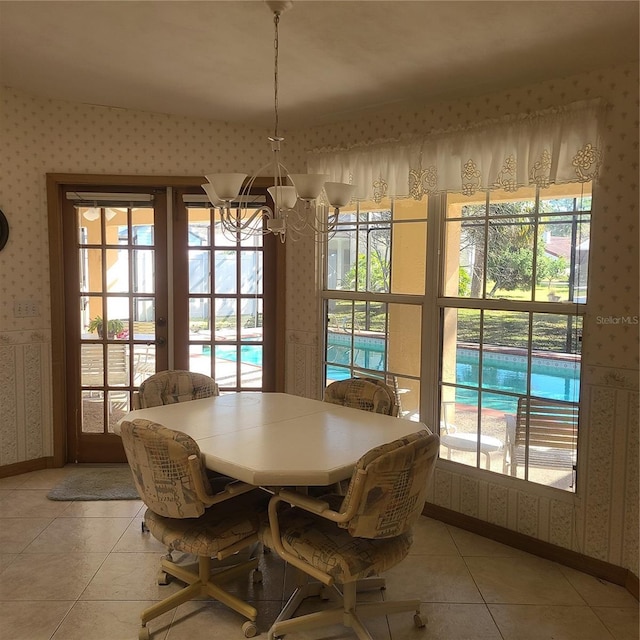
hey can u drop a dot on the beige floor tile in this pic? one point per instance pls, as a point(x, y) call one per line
point(134, 540)
point(6, 559)
point(45, 478)
point(272, 569)
point(534, 622)
point(31, 503)
point(431, 579)
point(208, 620)
point(110, 621)
point(80, 535)
point(448, 622)
point(49, 576)
point(128, 576)
point(376, 625)
point(622, 622)
point(17, 533)
point(103, 509)
point(31, 620)
point(290, 583)
point(471, 544)
point(521, 580)
point(431, 537)
point(12, 481)
point(597, 592)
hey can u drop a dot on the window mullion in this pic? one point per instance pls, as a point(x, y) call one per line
point(431, 338)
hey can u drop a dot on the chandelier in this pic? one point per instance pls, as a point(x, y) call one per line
point(300, 200)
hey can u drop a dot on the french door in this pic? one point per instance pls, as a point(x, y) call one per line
point(150, 283)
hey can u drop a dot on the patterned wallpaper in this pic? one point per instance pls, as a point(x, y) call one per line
point(40, 136)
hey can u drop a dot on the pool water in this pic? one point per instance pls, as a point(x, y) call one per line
point(502, 374)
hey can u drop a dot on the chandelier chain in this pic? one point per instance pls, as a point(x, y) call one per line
point(276, 21)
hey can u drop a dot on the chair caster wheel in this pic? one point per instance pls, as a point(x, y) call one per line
point(418, 621)
point(144, 633)
point(256, 577)
point(249, 629)
point(163, 578)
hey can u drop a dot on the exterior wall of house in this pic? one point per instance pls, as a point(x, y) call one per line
point(40, 136)
point(601, 519)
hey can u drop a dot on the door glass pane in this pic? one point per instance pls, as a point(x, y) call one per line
point(251, 272)
point(226, 366)
point(117, 318)
point(117, 230)
point(144, 362)
point(199, 271)
point(118, 365)
point(89, 225)
point(143, 270)
point(91, 314)
point(91, 270)
point(117, 266)
point(225, 275)
point(251, 366)
point(226, 319)
point(251, 319)
point(142, 228)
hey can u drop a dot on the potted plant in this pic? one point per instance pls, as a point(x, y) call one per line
point(113, 327)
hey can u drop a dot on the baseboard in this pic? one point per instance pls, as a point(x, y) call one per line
point(598, 568)
point(17, 468)
point(632, 585)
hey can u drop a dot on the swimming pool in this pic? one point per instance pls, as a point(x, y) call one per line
point(502, 374)
point(554, 378)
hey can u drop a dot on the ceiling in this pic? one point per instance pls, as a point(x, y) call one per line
point(214, 59)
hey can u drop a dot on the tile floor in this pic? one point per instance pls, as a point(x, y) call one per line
point(80, 570)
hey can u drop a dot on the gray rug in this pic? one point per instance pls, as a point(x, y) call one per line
point(96, 484)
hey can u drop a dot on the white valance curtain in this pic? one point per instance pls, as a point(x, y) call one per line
point(554, 146)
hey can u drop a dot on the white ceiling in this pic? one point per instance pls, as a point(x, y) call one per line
point(214, 59)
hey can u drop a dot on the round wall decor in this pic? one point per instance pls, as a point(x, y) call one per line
point(4, 230)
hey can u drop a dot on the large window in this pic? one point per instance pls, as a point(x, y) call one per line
point(477, 323)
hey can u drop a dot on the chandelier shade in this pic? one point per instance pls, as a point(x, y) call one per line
point(308, 185)
point(338, 193)
point(299, 200)
point(226, 185)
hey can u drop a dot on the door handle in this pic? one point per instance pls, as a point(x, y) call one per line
point(160, 342)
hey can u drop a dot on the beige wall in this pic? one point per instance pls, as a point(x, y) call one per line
point(39, 136)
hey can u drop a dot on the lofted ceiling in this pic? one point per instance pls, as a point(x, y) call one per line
point(214, 59)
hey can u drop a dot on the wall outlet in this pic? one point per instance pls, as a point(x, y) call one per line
point(26, 309)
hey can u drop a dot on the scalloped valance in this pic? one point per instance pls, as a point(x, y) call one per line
point(555, 146)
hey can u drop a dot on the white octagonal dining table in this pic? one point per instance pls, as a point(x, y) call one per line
point(278, 439)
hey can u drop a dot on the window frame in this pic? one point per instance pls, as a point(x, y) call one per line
point(433, 304)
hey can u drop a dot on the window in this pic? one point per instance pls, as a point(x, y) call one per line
point(375, 275)
point(477, 322)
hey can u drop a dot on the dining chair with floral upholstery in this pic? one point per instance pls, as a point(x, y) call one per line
point(169, 387)
point(184, 514)
point(340, 540)
point(368, 394)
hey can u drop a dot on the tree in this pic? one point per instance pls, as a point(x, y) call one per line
point(510, 259)
point(378, 274)
point(374, 272)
